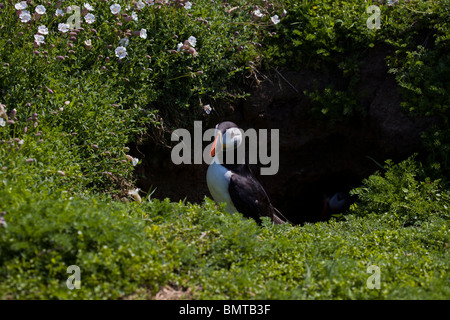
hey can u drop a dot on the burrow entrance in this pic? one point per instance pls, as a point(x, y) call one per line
point(316, 158)
point(336, 162)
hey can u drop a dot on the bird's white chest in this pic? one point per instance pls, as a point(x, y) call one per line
point(218, 179)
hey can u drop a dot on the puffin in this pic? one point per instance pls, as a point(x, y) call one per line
point(337, 203)
point(232, 181)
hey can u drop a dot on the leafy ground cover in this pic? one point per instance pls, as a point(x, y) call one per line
point(73, 98)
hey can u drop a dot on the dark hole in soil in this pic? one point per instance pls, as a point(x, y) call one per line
point(299, 195)
point(317, 159)
point(310, 203)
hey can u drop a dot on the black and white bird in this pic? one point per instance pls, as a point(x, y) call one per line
point(231, 181)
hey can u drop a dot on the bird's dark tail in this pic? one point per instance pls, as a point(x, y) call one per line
point(278, 218)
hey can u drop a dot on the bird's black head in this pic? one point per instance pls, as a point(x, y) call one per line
point(224, 126)
point(227, 137)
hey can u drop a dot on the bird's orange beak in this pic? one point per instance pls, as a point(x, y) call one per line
point(213, 149)
point(216, 140)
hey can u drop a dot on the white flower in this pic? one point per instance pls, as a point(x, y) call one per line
point(140, 5)
point(134, 161)
point(207, 108)
point(21, 5)
point(121, 52)
point(42, 30)
point(143, 34)
point(134, 16)
point(59, 13)
point(115, 8)
point(150, 2)
point(40, 9)
point(179, 46)
point(2, 122)
point(275, 19)
point(89, 18)
point(88, 42)
point(88, 7)
point(187, 5)
point(135, 194)
point(124, 42)
point(135, 191)
point(192, 40)
point(258, 13)
point(39, 39)
point(63, 27)
point(25, 16)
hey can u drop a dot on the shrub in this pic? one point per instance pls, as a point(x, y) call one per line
point(403, 193)
point(48, 233)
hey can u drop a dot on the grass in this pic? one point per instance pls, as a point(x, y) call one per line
point(130, 250)
point(69, 111)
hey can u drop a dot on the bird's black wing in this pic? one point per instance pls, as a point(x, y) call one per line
point(250, 198)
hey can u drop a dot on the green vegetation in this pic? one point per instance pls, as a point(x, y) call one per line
point(127, 249)
point(333, 36)
point(71, 103)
